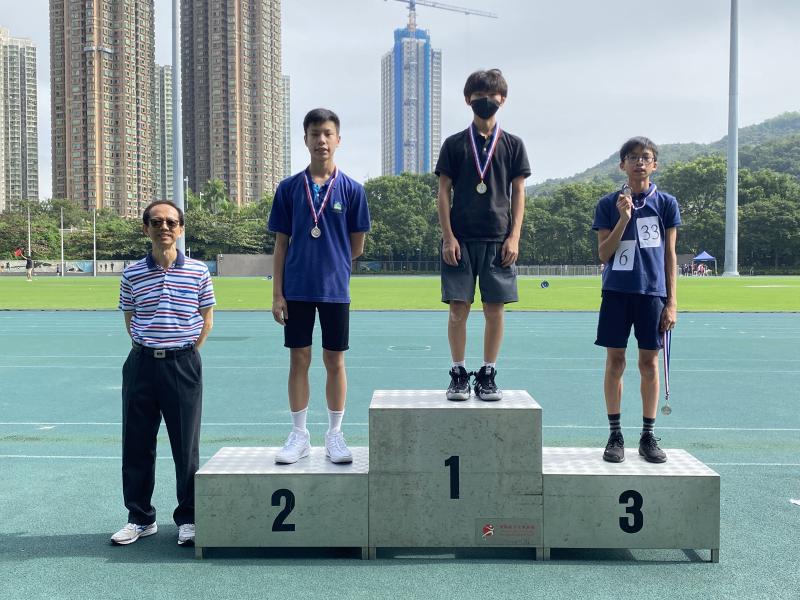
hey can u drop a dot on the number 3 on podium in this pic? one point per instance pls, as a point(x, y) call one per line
point(634, 522)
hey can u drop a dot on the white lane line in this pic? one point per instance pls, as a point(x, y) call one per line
point(364, 424)
point(88, 457)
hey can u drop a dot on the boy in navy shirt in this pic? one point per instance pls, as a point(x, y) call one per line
point(482, 172)
point(320, 219)
point(636, 232)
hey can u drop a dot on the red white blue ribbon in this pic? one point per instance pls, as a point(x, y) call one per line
point(482, 171)
point(314, 214)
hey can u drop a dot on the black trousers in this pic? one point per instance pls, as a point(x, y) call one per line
point(171, 386)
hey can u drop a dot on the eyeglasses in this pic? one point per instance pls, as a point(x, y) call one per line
point(635, 158)
point(157, 223)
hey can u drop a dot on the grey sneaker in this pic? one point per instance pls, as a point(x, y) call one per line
point(615, 448)
point(186, 534)
point(485, 388)
point(459, 384)
point(297, 446)
point(132, 532)
point(648, 447)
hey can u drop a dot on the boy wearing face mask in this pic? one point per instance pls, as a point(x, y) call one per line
point(482, 172)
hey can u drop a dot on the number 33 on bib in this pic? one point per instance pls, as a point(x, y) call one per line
point(648, 232)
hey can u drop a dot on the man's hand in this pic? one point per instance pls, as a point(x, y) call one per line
point(669, 316)
point(510, 251)
point(451, 251)
point(280, 312)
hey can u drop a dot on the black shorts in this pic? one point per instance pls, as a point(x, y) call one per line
point(334, 320)
point(618, 311)
point(481, 261)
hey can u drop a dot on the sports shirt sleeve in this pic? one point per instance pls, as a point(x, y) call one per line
point(358, 214)
point(672, 213)
point(520, 167)
point(280, 217)
point(126, 295)
point(205, 293)
point(444, 164)
point(602, 218)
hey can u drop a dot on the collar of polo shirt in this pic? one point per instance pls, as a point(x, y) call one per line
point(152, 264)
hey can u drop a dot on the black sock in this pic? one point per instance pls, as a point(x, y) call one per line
point(648, 425)
point(613, 423)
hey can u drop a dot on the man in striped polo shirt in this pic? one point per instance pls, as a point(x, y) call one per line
point(168, 303)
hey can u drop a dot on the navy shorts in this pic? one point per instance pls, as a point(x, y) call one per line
point(481, 261)
point(618, 311)
point(334, 320)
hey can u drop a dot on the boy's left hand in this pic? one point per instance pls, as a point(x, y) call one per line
point(510, 251)
point(669, 316)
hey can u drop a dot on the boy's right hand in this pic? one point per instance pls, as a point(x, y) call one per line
point(280, 312)
point(625, 207)
point(451, 251)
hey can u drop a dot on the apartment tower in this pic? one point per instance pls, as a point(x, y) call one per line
point(232, 95)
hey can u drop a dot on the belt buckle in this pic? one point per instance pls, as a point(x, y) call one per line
point(159, 353)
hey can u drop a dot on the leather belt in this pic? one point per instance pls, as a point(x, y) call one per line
point(162, 352)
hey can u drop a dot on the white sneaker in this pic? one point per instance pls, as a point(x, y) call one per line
point(132, 532)
point(186, 534)
point(297, 446)
point(336, 449)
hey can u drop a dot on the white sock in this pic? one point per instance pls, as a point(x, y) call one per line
point(335, 420)
point(299, 420)
point(458, 363)
point(489, 365)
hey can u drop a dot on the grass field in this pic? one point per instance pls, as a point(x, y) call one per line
point(704, 294)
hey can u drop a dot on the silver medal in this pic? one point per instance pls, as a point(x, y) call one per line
point(481, 188)
point(315, 232)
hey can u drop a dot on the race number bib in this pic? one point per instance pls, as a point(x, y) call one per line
point(648, 232)
point(623, 257)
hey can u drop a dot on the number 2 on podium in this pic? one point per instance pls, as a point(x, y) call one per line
point(452, 463)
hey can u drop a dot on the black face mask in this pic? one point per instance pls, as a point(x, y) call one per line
point(485, 107)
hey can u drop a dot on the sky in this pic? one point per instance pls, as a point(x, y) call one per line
point(583, 75)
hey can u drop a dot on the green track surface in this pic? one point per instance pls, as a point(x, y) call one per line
point(734, 393)
point(705, 294)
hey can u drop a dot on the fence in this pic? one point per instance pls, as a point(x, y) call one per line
point(416, 267)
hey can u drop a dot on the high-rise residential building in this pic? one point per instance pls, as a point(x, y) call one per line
point(287, 127)
point(19, 146)
point(411, 103)
point(232, 95)
point(101, 75)
point(162, 123)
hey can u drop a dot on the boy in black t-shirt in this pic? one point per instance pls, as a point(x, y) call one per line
point(482, 172)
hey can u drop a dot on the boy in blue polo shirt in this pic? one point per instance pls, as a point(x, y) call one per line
point(636, 232)
point(481, 202)
point(320, 219)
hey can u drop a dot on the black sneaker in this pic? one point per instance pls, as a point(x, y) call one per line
point(615, 448)
point(459, 384)
point(485, 388)
point(648, 447)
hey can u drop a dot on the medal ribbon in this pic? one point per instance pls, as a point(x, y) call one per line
point(314, 214)
point(482, 171)
point(667, 351)
point(645, 199)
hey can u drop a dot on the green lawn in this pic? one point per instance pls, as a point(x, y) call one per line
point(708, 294)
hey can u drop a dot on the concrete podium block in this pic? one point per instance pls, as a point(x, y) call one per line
point(243, 499)
point(454, 474)
point(589, 503)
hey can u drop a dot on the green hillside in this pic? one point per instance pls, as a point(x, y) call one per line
point(773, 144)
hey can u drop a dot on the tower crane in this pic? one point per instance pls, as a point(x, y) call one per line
point(412, 10)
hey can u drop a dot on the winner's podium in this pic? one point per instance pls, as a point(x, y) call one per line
point(454, 474)
point(243, 499)
point(589, 503)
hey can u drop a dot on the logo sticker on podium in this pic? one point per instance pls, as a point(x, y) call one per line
point(506, 532)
